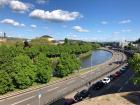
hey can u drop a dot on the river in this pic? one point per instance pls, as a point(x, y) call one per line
point(97, 57)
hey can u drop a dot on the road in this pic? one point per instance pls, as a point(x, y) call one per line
point(51, 93)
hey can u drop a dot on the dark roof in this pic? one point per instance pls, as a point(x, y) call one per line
point(46, 36)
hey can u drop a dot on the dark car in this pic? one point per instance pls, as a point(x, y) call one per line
point(69, 101)
point(123, 70)
point(111, 77)
point(81, 95)
point(98, 85)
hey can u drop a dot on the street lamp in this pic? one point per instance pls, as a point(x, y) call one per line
point(39, 97)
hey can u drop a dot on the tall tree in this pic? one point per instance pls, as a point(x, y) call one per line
point(24, 71)
point(135, 65)
point(44, 70)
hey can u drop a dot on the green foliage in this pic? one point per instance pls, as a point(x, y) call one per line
point(24, 71)
point(5, 82)
point(135, 65)
point(67, 64)
point(44, 70)
point(20, 68)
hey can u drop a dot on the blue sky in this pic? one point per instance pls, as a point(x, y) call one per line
point(96, 20)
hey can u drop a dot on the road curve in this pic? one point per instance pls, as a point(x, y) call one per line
point(53, 92)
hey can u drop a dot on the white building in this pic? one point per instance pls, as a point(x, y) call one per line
point(123, 44)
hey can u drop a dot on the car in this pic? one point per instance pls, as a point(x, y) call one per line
point(111, 77)
point(81, 95)
point(117, 74)
point(69, 101)
point(98, 85)
point(122, 70)
point(106, 80)
point(78, 97)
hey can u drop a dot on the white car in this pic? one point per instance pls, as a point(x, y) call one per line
point(106, 80)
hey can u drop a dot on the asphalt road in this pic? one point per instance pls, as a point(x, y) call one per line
point(121, 84)
point(53, 92)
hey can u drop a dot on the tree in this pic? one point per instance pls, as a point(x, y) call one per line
point(5, 82)
point(24, 72)
point(44, 70)
point(67, 64)
point(135, 65)
point(66, 41)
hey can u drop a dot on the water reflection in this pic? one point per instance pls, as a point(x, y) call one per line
point(98, 57)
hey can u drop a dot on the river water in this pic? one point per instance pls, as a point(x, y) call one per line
point(97, 57)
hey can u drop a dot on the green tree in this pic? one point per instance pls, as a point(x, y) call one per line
point(24, 72)
point(135, 65)
point(44, 70)
point(5, 82)
point(67, 64)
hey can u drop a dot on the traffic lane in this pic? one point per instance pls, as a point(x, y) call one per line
point(113, 86)
point(26, 97)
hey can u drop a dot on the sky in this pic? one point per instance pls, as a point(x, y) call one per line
point(91, 20)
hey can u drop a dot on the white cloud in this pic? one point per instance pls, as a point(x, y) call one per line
point(23, 25)
point(125, 21)
point(80, 29)
point(104, 22)
point(33, 26)
point(126, 30)
point(116, 33)
point(12, 22)
point(42, 1)
point(56, 15)
point(19, 6)
point(4, 2)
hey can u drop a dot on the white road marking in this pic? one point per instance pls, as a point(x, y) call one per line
point(71, 82)
point(52, 89)
point(23, 100)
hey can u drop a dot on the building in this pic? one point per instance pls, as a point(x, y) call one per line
point(124, 43)
point(49, 38)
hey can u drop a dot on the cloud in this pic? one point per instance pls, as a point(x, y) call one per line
point(4, 2)
point(126, 30)
point(79, 29)
point(72, 36)
point(19, 6)
point(125, 21)
point(116, 33)
point(54, 16)
point(33, 26)
point(104, 22)
point(42, 1)
point(23, 25)
point(12, 22)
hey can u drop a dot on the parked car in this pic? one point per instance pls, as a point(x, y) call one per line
point(81, 95)
point(117, 74)
point(98, 85)
point(122, 70)
point(106, 80)
point(69, 101)
point(111, 77)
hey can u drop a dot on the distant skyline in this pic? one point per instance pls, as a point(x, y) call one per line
point(92, 20)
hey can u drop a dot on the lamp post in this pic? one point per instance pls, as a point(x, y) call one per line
point(39, 97)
